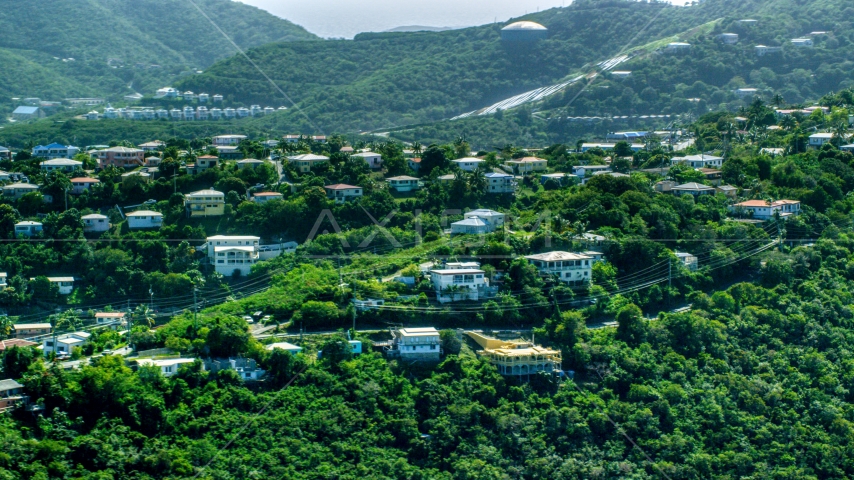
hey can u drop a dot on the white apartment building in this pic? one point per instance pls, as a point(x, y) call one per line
point(458, 284)
point(573, 268)
point(416, 344)
point(230, 254)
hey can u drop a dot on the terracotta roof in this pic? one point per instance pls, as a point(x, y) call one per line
point(208, 156)
point(15, 342)
point(340, 186)
point(753, 203)
point(268, 194)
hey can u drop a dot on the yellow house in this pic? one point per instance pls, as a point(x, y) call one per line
point(205, 203)
point(527, 165)
point(304, 163)
point(515, 357)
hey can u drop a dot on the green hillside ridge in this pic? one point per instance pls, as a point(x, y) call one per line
point(389, 80)
point(168, 33)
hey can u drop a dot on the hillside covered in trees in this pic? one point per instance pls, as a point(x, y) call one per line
point(389, 80)
point(55, 49)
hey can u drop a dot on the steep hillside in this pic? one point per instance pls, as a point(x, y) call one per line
point(114, 43)
point(387, 80)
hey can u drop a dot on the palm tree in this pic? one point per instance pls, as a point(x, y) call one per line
point(840, 134)
point(788, 123)
point(417, 148)
point(777, 99)
point(143, 315)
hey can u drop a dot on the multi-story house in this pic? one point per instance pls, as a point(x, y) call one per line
point(304, 163)
point(764, 210)
point(121, 157)
point(205, 203)
point(416, 344)
point(374, 160)
point(458, 284)
point(231, 254)
point(228, 140)
point(341, 192)
point(81, 184)
point(572, 268)
point(55, 150)
point(66, 165)
point(500, 183)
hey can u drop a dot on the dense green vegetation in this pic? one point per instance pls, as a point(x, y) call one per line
point(113, 43)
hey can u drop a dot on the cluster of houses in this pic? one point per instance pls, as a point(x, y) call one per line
point(187, 113)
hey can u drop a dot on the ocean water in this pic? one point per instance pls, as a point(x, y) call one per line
point(344, 19)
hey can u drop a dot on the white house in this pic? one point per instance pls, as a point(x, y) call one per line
point(168, 367)
point(304, 163)
point(66, 343)
point(692, 188)
point(802, 42)
point(266, 252)
point(500, 183)
point(111, 319)
point(145, 219)
point(572, 268)
point(55, 150)
point(471, 226)
point(728, 38)
point(18, 190)
point(462, 284)
point(403, 183)
point(762, 50)
point(746, 92)
point(61, 164)
point(27, 228)
point(341, 192)
point(698, 161)
point(231, 253)
point(416, 344)
point(81, 184)
point(65, 284)
point(496, 219)
point(763, 210)
point(151, 146)
point(288, 347)
point(819, 139)
point(374, 160)
point(95, 223)
point(468, 164)
point(228, 140)
point(264, 197)
point(688, 260)
point(582, 171)
point(677, 47)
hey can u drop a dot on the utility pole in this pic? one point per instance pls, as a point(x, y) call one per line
point(669, 279)
point(195, 312)
point(151, 298)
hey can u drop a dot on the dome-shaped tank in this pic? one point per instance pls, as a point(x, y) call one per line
point(524, 32)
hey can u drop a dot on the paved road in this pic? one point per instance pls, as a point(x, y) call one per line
point(683, 145)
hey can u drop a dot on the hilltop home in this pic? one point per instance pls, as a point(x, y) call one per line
point(496, 219)
point(341, 192)
point(471, 226)
point(249, 163)
point(15, 342)
point(28, 228)
point(230, 254)
point(698, 161)
point(144, 219)
point(228, 140)
point(403, 183)
point(95, 223)
point(468, 164)
point(121, 157)
point(416, 344)
point(55, 150)
point(228, 152)
point(168, 366)
point(203, 163)
point(573, 268)
point(81, 184)
point(374, 160)
point(152, 146)
point(264, 197)
point(692, 188)
point(65, 343)
point(65, 284)
point(690, 261)
point(516, 358)
point(452, 285)
point(304, 163)
point(527, 165)
point(29, 330)
point(582, 171)
point(11, 394)
point(111, 319)
point(205, 203)
point(5, 153)
point(764, 210)
point(499, 183)
point(819, 139)
point(60, 164)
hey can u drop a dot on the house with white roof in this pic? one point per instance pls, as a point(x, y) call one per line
point(341, 192)
point(61, 164)
point(582, 171)
point(499, 183)
point(5, 153)
point(144, 219)
point(152, 146)
point(468, 164)
point(65, 284)
point(471, 226)
point(403, 183)
point(15, 191)
point(573, 268)
point(374, 160)
point(288, 347)
point(111, 319)
point(802, 42)
point(249, 163)
point(677, 47)
point(692, 188)
point(120, 157)
point(167, 366)
point(95, 223)
point(65, 344)
point(819, 139)
point(416, 344)
point(228, 140)
point(55, 150)
point(305, 162)
point(11, 393)
point(526, 165)
point(230, 254)
point(453, 285)
point(28, 228)
point(205, 203)
point(698, 161)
